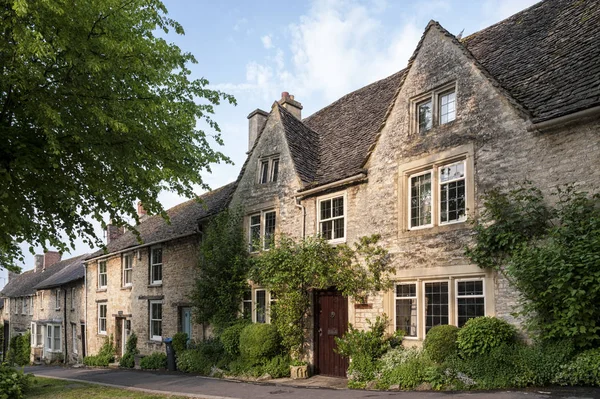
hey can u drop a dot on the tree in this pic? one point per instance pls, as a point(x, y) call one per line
point(96, 112)
point(223, 270)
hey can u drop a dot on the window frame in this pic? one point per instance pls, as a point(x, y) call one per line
point(439, 184)
point(433, 199)
point(263, 221)
point(266, 169)
point(151, 303)
point(153, 265)
point(100, 318)
point(255, 306)
point(245, 301)
point(52, 336)
point(427, 100)
point(261, 230)
point(418, 303)
point(424, 301)
point(331, 197)
point(457, 297)
point(435, 97)
point(124, 269)
point(101, 264)
point(440, 95)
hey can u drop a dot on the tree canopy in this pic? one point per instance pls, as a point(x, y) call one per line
point(97, 110)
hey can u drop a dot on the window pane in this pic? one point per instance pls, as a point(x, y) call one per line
point(406, 290)
point(264, 171)
point(247, 310)
point(424, 111)
point(338, 228)
point(420, 201)
point(247, 295)
point(452, 201)
point(275, 171)
point(469, 308)
point(261, 306)
point(327, 230)
point(157, 273)
point(270, 219)
point(157, 255)
point(57, 338)
point(436, 304)
point(452, 172)
point(447, 107)
point(406, 316)
point(474, 287)
point(338, 206)
point(325, 209)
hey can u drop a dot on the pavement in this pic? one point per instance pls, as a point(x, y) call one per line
point(193, 386)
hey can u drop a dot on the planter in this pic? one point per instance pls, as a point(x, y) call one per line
point(299, 372)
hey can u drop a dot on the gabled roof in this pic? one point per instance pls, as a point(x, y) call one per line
point(25, 284)
point(547, 56)
point(73, 271)
point(184, 221)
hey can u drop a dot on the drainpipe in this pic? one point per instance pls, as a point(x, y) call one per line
point(299, 205)
point(65, 361)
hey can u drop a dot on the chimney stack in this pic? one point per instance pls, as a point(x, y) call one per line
point(113, 232)
point(256, 121)
point(292, 106)
point(38, 263)
point(141, 211)
point(50, 258)
point(11, 275)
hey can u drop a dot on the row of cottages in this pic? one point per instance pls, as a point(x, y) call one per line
point(408, 157)
point(47, 301)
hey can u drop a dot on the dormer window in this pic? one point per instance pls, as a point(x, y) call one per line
point(269, 170)
point(434, 108)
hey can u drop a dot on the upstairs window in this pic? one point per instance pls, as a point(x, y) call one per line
point(73, 298)
point(425, 117)
point(102, 275)
point(332, 218)
point(447, 107)
point(269, 170)
point(434, 108)
point(261, 230)
point(57, 299)
point(127, 270)
point(452, 193)
point(156, 264)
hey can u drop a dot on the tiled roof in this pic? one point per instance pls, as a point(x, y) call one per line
point(547, 56)
point(73, 271)
point(24, 284)
point(184, 220)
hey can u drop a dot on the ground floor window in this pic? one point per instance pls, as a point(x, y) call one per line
point(37, 338)
point(406, 309)
point(257, 305)
point(436, 304)
point(156, 320)
point(74, 337)
point(102, 311)
point(470, 300)
point(53, 338)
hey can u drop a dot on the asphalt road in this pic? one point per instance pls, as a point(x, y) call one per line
point(210, 388)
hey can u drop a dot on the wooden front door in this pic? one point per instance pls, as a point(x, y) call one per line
point(331, 320)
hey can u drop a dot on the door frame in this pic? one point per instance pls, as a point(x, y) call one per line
point(316, 327)
point(182, 311)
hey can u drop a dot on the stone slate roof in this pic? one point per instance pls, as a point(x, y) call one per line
point(547, 56)
point(184, 220)
point(25, 284)
point(73, 271)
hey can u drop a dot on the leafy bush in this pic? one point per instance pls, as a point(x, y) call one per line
point(13, 383)
point(440, 342)
point(105, 356)
point(180, 342)
point(231, 337)
point(408, 370)
point(278, 367)
point(155, 361)
point(583, 370)
point(19, 350)
point(481, 334)
point(128, 359)
point(397, 356)
point(202, 358)
point(259, 343)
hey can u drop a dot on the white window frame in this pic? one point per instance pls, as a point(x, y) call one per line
point(100, 274)
point(424, 301)
point(51, 334)
point(331, 197)
point(418, 303)
point(127, 260)
point(439, 183)
point(255, 305)
point(439, 101)
point(57, 299)
point(100, 318)
point(268, 163)
point(153, 265)
point(433, 199)
point(262, 227)
point(74, 340)
point(150, 329)
point(33, 335)
point(456, 296)
point(263, 222)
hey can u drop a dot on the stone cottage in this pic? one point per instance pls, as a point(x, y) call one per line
point(410, 156)
point(144, 287)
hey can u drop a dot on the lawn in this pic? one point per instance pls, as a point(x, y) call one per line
point(47, 388)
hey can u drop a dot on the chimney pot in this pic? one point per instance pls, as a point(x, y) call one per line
point(284, 95)
point(291, 105)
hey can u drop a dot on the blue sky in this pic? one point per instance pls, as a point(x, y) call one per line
point(317, 51)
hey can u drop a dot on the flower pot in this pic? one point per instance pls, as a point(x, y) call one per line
point(299, 372)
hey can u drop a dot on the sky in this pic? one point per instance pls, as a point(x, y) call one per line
point(315, 50)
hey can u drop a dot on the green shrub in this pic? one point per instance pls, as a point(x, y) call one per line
point(413, 369)
point(231, 337)
point(259, 343)
point(105, 356)
point(481, 334)
point(583, 370)
point(155, 361)
point(13, 383)
point(440, 343)
point(278, 367)
point(128, 359)
point(19, 350)
point(180, 342)
point(245, 368)
point(202, 358)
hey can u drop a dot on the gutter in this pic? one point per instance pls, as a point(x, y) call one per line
point(334, 184)
point(565, 119)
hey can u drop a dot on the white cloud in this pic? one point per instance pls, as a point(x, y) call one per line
point(267, 41)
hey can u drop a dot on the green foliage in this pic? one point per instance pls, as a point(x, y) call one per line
point(224, 265)
point(481, 334)
point(180, 342)
point(13, 383)
point(551, 255)
point(230, 337)
point(409, 368)
point(278, 367)
point(202, 358)
point(105, 356)
point(96, 115)
point(128, 359)
point(440, 342)
point(583, 370)
point(155, 361)
point(259, 343)
point(291, 269)
point(19, 350)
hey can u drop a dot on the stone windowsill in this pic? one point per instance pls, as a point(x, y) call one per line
point(101, 290)
point(154, 285)
point(127, 288)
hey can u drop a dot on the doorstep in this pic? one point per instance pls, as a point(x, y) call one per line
point(316, 381)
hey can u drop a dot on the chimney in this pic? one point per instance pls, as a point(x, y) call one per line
point(256, 121)
point(113, 232)
point(291, 105)
point(11, 275)
point(141, 211)
point(38, 263)
point(50, 258)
